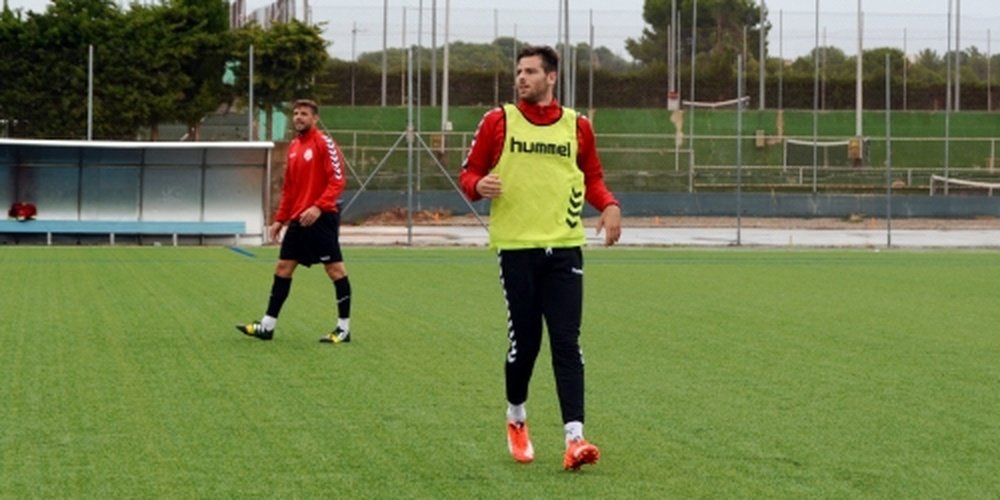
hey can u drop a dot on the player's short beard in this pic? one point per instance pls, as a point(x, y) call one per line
point(536, 96)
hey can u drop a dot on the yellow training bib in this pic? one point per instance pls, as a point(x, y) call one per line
point(543, 189)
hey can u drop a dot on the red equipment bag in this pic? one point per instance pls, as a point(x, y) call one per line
point(22, 211)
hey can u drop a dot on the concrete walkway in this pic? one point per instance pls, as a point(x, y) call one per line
point(696, 237)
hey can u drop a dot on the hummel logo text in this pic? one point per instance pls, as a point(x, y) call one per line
point(544, 148)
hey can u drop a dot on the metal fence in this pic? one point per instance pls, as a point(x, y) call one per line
point(656, 163)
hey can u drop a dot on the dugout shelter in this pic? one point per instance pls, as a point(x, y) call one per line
point(136, 192)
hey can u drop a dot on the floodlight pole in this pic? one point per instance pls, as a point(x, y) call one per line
point(250, 134)
point(567, 57)
point(445, 125)
point(947, 106)
point(762, 70)
point(90, 92)
point(590, 71)
point(560, 88)
point(385, 45)
point(958, 56)
point(906, 63)
point(409, 144)
point(671, 53)
point(403, 63)
point(513, 69)
point(815, 116)
point(859, 89)
point(694, 44)
point(354, 59)
point(781, 58)
point(739, 149)
point(419, 96)
point(888, 155)
point(434, 57)
point(496, 64)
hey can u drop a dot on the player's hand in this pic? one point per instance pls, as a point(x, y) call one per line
point(274, 232)
point(611, 224)
point(489, 186)
point(309, 215)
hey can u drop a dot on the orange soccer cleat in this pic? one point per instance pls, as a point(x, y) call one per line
point(579, 452)
point(519, 443)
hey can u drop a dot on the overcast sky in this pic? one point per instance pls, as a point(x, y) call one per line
point(355, 27)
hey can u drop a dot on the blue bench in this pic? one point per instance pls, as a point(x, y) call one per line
point(111, 228)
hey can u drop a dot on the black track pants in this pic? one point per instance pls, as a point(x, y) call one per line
point(544, 284)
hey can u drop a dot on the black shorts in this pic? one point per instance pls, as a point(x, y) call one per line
point(319, 242)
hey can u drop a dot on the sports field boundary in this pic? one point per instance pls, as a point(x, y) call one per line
point(734, 235)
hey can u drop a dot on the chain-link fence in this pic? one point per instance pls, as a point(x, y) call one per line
point(654, 163)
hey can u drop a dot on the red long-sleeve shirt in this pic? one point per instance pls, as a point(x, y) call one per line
point(487, 146)
point(314, 175)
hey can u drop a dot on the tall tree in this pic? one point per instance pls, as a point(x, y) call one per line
point(201, 42)
point(49, 80)
point(486, 57)
point(720, 28)
point(974, 65)
point(155, 71)
point(161, 62)
point(11, 34)
point(287, 58)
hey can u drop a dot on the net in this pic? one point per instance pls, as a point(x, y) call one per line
point(962, 187)
point(799, 153)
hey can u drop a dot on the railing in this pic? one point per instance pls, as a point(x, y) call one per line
point(668, 163)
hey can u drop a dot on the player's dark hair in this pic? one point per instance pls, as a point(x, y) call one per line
point(550, 58)
point(307, 103)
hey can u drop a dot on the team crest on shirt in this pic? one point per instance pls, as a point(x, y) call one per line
point(308, 154)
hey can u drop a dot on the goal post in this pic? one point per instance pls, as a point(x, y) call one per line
point(950, 185)
point(799, 153)
point(730, 103)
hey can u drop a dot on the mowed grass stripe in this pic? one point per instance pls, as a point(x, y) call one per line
point(710, 373)
point(856, 347)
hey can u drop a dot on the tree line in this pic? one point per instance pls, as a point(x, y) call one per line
point(169, 62)
point(178, 60)
point(726, 29)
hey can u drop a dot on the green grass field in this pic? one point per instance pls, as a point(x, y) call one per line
point(720, 122)
point(711, 373)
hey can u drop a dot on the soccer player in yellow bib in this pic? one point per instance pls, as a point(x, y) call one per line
point(537, 163)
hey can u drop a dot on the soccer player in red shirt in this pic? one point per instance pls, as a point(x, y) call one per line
point(537, 163)
point(309, 216)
